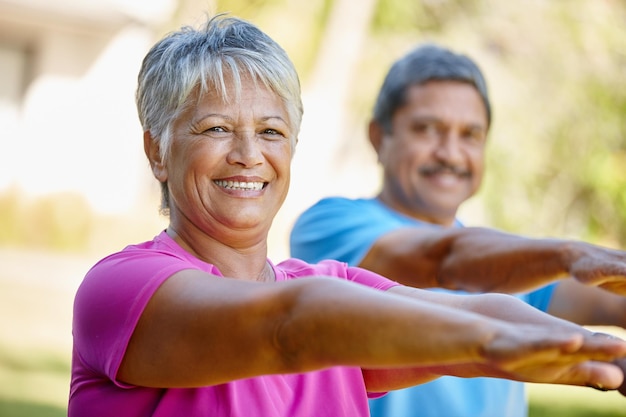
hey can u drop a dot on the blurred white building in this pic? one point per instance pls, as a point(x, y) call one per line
point(68, 122)
point(67, 115)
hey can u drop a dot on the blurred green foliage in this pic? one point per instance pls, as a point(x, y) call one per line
point(403, 17)
point(563, 173)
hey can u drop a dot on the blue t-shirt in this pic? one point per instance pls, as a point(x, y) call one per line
point(345, 230)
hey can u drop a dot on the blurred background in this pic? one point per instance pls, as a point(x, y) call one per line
point(75, 185)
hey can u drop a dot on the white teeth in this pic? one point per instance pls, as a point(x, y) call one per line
point(240, 185)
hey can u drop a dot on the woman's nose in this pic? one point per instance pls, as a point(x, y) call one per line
point(245, 150)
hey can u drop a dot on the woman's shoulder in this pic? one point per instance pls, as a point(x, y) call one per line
point(140, 264)
point(296, 268)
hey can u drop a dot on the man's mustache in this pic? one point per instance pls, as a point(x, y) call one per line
point(445, 169)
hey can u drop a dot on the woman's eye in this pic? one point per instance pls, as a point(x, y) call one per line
point(215, 131)
point(272, 132)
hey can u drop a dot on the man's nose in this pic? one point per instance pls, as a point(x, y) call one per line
point(449, 148)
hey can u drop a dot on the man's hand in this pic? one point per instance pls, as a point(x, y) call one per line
point(616, 285)
point(600, 267)
point(622, 364)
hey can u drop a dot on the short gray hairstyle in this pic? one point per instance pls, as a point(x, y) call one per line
point(204, 57)
point(426, 63)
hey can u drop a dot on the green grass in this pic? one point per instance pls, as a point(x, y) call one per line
point(33, 383)
point(560, 401)
point(11, 408)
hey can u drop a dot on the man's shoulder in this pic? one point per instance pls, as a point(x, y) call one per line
point(338, 201)
point(341, 210)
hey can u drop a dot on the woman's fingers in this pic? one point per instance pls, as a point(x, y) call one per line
point(599, 375)
point(536, 355)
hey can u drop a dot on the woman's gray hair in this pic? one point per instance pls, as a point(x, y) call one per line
point(191, 58)
point(426, 63)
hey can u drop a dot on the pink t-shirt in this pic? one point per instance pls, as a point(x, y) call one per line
point(108, 305)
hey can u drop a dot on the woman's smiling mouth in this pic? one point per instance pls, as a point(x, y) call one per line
point(240, 185)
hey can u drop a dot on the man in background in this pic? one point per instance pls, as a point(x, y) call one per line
point(429, 129)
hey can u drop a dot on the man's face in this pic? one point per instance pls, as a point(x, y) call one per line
point(433, 159)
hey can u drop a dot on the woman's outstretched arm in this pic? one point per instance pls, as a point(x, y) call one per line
point(199, 329)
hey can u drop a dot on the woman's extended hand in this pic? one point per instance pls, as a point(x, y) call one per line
point(558, 357)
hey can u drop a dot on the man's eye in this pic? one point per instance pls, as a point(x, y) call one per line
point(216, 129)
point(425, 128)
point(474, 136)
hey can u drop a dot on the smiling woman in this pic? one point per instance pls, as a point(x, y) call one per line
point(199, 322)
point(238, 154)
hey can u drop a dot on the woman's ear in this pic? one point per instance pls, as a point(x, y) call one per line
point(153, 152)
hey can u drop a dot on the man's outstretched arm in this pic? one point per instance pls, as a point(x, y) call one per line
point(486, 260)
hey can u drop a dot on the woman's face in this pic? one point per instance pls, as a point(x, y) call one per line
point(229, 163)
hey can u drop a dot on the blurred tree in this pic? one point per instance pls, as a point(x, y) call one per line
point(568, 137)
point(426, 16)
